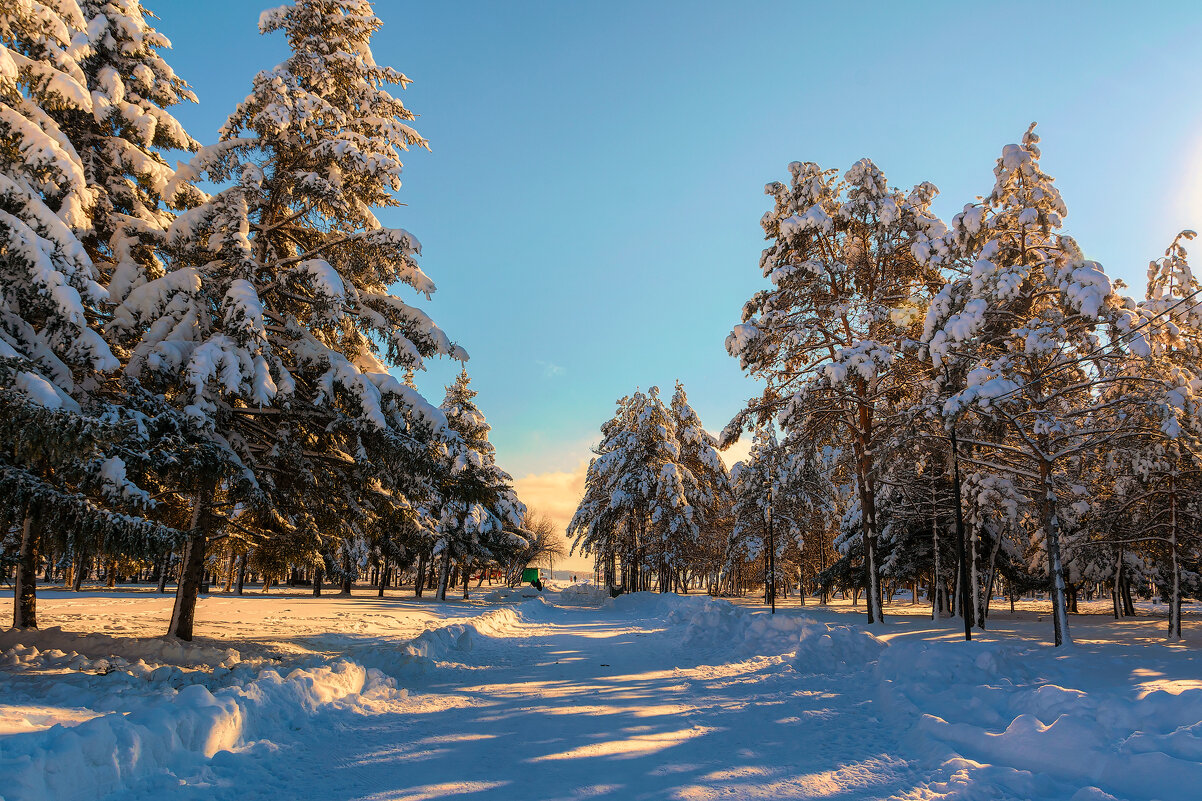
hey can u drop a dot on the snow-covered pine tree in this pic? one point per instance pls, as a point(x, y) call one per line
point(275, 325)
point(1155, 406)
point(847, 264)
point(479, 514)
point(1016, 340)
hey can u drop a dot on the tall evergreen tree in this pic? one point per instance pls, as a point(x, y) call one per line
point(479, 515)
point(275, 325)
point(68, 449)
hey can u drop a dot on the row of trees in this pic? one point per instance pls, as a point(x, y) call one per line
point(982, 380)
point(958, 405)
point(657, 498)
point(201, 355)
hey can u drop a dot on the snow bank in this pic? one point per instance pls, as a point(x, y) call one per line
point(717, 624)
point(54, 676)
point(149, 717)
point(106, 753)
point(161, 651)
point(819, 647)
point(829, 648)
point(1004, 716)
point(656, 604)
point(29, 659)
point(437, 644)
point(585, 595)
point(1014, 711)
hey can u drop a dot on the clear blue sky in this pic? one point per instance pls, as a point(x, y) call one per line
point(590, 208)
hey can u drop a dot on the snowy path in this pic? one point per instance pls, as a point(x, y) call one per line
point(574, 704)
point(646, 697)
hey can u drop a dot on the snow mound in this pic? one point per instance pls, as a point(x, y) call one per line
point(819, 647)
point(106, 753)
point(439, 643)
point(717, 624)
point(435, 645)
point(657, 604)
point(123, 650)
point(585, 595)
point(830, 648)
point(512, 594)
point(1012, 711)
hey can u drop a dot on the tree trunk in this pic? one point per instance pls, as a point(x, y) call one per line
point(1051, 523)
point(191, 568)
point(319, 574)
point(384, 568)
point(1175, 600)
point(419, 580)
point(81, 569)
point(25, 593)
point(975, 575)
point(467, 577)
point(1128, 603)
point(347, 578)
point(444, 573)
point(241, 573)
point(867, 492)
point(164, 574)
point(962, 600)
point(990, 575)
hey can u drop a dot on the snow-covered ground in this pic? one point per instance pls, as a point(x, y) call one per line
point(571, 696)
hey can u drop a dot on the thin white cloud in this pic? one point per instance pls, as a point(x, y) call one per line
point(550, 369)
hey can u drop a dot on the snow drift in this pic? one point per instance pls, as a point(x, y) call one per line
point(106, 753)
point(153, 716)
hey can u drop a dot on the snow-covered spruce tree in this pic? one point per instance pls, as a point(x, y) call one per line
point(1016, 340)
point(119, 138)
point(648, 492)
point(478, 514)
point(708, 494)
point(596, 526)
point(71, 477)
point(64, 472)
point(847, 264)
point(275, 326)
